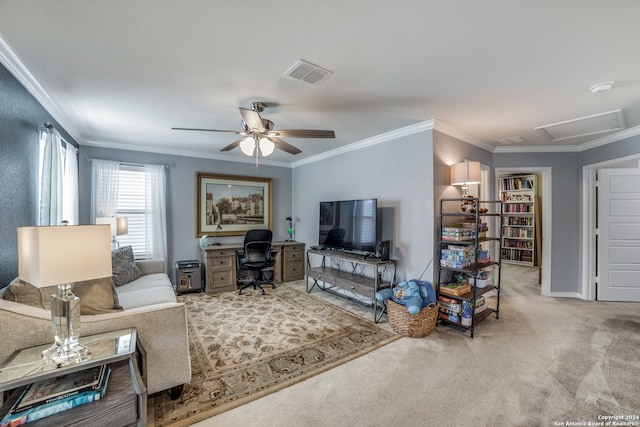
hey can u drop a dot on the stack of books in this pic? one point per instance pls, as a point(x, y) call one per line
point(49, 397)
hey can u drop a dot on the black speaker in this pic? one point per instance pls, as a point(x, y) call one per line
point(383, 249)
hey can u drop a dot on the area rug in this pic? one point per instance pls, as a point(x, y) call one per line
point(244, 347)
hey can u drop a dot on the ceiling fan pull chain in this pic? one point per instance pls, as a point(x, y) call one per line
point(257, 150)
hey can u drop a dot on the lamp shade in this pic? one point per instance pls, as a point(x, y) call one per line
point(112, 221)
point(63, 254)
point(122, 225)
point(465, 173)
point(266, 146)
point(247, 146)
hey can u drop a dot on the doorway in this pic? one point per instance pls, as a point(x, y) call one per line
point(544, 258)
point(590, 218)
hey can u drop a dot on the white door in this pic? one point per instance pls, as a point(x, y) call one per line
point(619, 237)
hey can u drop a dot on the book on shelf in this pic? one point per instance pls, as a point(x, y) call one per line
point(34, 403)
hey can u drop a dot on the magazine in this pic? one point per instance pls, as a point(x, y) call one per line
point(64, 385)
point(60, 403)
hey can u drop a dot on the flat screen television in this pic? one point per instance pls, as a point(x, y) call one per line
point(349, 225)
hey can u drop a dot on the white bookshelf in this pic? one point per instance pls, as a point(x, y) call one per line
point(519, 207)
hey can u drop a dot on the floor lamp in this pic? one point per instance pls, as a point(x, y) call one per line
point(63, 255)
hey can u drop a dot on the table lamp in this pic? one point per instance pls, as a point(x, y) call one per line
point(119, 226)
point(63, 255)
point(215, 235)
point(465, 173)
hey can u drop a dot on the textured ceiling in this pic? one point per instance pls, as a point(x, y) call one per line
point(121, 73)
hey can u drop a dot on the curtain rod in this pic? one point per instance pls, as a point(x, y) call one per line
point(89, 159)
point(49, 126)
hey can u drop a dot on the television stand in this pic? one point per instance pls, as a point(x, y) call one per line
point(343, 274)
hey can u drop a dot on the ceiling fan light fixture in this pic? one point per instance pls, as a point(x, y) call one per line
point(247, 145)
point(266, 146)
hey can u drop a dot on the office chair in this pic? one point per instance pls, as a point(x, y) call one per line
point(256, 258)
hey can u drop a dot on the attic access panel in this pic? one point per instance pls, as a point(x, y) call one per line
point(591, 125)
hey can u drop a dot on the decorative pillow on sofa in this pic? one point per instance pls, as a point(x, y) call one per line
point(97, 296)
point(124, 267)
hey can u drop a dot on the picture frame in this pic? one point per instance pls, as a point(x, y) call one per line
point(230, 205)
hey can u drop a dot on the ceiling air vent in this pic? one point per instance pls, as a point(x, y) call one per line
point(307, 72)
point(584, 126)
point(512, 140)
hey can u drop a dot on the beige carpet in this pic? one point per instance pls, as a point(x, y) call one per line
point(244, 347)
point(545, 362)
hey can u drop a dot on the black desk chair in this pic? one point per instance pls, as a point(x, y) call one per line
point(255, 258)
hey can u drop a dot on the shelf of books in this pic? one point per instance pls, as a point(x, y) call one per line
point(61, 401)
point(468, 275)
point(518, 196)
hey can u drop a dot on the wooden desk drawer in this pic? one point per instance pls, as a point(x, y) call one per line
point(293, 255)
point(294, 272)
point(221, 278)
point(218, 262)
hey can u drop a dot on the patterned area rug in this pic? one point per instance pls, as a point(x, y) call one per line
point(246, 346)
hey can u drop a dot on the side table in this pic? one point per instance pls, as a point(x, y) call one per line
point(125, 401)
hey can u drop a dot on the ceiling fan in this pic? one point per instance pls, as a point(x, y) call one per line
point(258, 133)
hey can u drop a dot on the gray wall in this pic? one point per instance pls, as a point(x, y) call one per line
point(399, 174)
point(565, 217)
point(20, 115)
point(616, 150)
point(181, 188)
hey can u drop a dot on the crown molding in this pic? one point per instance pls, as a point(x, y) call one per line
point(140, 147)
point(368, 142)
point(538, 149)
point(12, 62)
point(455, 133)
point(615, 137)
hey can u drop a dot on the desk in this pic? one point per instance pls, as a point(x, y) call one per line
point(219, 264)
point(125, 401)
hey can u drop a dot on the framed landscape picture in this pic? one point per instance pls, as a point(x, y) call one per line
point(229, 205)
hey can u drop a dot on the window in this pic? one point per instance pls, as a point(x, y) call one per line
point(131, 204)
point(137, 192)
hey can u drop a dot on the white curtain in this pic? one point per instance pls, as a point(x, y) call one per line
point(105, 176)
point(70, 204)
point(155, 210)
point(51, 176)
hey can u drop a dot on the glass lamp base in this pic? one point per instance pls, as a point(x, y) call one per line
point(65, 323)
point(61, 355)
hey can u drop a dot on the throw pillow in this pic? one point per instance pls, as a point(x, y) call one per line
point(124, 267)
point(97, 296)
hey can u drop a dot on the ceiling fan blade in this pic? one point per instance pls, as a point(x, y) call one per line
point(233, 145)
point(208, 130)
point(305, 133)
point(252, 119)
point(281, 145)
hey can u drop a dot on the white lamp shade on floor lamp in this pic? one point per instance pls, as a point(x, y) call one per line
point(63, 255)
point(465, 173)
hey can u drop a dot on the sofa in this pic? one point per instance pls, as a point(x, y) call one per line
point(146, 302)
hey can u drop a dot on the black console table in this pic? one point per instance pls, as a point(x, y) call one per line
point(344, 274)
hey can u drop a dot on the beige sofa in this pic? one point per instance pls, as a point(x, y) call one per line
point(149, 304)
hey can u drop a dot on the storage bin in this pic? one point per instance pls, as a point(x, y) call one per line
point(412, 325)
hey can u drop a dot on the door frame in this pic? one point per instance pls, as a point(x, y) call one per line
point(589, 224)
point(545, 195)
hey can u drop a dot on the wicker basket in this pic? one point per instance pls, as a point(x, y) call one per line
point(412, 325)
